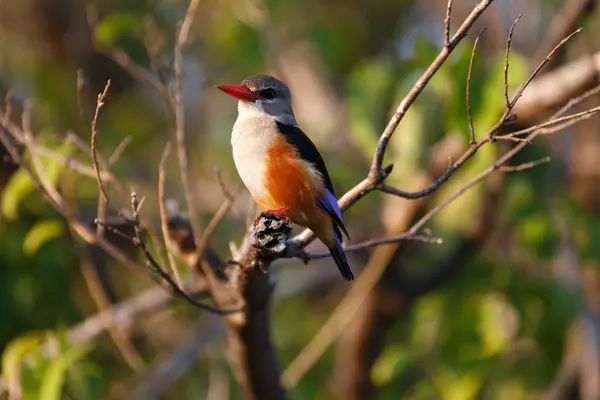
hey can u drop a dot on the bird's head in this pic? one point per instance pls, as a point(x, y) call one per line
point(263, 94)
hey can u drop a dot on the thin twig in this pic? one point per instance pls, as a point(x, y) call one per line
point(118, 152)
point(540, 67)
point(370, 275)
point(524, 166)
point(118, 335)
point(568, 118)
point(108, 176)
point(507, 102)
point(180, 361)
point(367, 244)
point(99, 104)
point(468, 97)
point(447, 24)
point(70, 163)
point(478, 178)
point(219, 177)
point(219, 215)
point(141, 74)
point(164, 222)
point(100, 222)
point(563, 22)
point(575, 101)
point(151, 262)
point(42, 182)
point(82, 230)
point(186, 179)
point(38, 166)
point(377, 173)
point(214, 222)
point(84, 147)
point(415, 91)
point(491, 135)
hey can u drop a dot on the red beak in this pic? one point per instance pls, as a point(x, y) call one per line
point(240, 92)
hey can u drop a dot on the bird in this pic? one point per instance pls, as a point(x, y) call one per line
point(281, 167)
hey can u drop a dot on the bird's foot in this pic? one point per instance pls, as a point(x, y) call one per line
point(280, 212)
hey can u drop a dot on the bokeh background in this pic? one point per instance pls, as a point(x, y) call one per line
point(505, 308)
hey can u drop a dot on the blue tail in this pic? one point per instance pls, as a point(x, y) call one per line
point(338, 255)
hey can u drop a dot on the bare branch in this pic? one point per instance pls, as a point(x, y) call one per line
point(376, 173)
point(558, 86)
point(564, 21)
point(164, 223)
point(142, 75)
point(507, 102)
point(375, 242)
point(220, 214)
point(114, 157)
point(186, 179)
point(525, 166)
point(254, 288)
point(447, 24)
point(219, 177)
point(37, 163)
point(81, 229)
point(43, 183)
point(470, 152)
point(541, 66)
point(170, 371)
point(418, 87)
point(151, 262)
point(367, 280)
point(99, 104)
point(468, 96)
point(117, 333)
point(428, 190)
point(572, 119)
point(372, 273)
point(215, 221)
point(70, 163)
point(575, 101)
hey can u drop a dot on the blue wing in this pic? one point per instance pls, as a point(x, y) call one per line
point(330, 206)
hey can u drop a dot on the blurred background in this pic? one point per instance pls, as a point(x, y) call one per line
point(505, 308)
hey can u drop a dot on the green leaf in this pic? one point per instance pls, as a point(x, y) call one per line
point(494, 308)
point(15, 352)
point(17, 188)
point(54, 378)
point(41, 233)
point(393, 358)
point(115, 26)
point(20, 184)
point(451, 386)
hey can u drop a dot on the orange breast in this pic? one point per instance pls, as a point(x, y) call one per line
point(290, 182)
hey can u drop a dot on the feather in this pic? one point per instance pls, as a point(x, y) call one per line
point(330, 206)
point(328, 202)
point(337, 253)
point(306, 150)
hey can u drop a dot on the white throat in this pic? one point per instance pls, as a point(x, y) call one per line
point(252, 134)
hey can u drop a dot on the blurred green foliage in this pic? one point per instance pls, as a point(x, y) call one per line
point(497, 328)
point(65, 376)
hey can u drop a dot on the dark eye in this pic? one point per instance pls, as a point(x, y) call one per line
point(268, 93)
